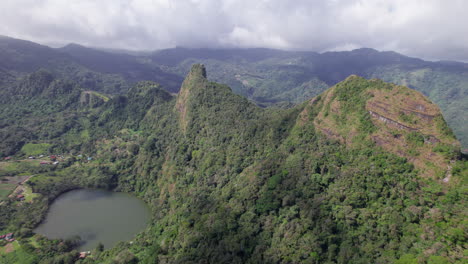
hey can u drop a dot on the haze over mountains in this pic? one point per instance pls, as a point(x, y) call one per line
point(268, 77)
point(254, 132)
point(242, 155)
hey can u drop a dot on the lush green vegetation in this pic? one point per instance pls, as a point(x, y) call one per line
point(274, 77)
point(268, 77)
point(229, 182)
point(35, 149)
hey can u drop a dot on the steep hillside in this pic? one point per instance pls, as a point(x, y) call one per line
point(275, 77)
point(25, 56)
point(231, 182)
point(41, 107)
point(396, 118)
point(268, 77)
point(92, 69)
point(131, 68)
point(342, 178)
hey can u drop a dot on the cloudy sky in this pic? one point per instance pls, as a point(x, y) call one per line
point(431, 29)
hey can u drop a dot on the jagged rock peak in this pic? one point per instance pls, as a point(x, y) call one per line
point(198, 70)
point(195, 78)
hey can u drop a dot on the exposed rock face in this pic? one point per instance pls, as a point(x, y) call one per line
point(390, 122)
point(91, 99)
point(396, 118)
point(196, 78)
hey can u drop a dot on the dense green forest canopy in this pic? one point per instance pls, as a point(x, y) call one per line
point(267, 77)
point(230, 182)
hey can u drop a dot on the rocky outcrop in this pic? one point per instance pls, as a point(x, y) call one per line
point(92, 99)
point(399, 120)
point(194, 80)
point(391, 122)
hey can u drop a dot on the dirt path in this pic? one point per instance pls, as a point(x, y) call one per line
point(20, 188)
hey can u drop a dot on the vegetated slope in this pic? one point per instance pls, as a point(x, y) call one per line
point(233, 183)
point(445, 85)
point(91, 69)
point(19, 58)
point(131, 68)
point(229, 182)
point(400, 120)
point(271, 76)
point(42, 107)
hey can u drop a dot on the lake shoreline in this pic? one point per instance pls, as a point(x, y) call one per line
point(71, 214)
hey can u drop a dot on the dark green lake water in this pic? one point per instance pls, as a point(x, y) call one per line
point(96, 216)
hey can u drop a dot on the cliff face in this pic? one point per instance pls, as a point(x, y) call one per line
point(398, 119)
point(196, 79)
point(92, 99)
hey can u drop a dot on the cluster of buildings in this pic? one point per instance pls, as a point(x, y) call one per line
point(54, 159)
point(8, 237)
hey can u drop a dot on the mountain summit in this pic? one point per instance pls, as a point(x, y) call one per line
point(396, 118)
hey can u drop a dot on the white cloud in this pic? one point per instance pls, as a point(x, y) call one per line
point(435, 29)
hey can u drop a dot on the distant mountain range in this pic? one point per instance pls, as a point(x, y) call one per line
point(267, 77)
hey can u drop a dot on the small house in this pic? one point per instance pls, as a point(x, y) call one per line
point(20, 197)
point(84, 254)
point(7, 158)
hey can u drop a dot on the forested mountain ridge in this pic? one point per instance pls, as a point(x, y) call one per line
point(37, 107)
point(131, 68)
point(90, 68)
point(277, 77)
point(230, 182)
point(268, 77)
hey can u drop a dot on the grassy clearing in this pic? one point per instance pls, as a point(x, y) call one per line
point(32, 149)
point(28, 194)
point(20, 167)
point(8, 168)
point(17, 256)
point(5, 190)
point(9, 248)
